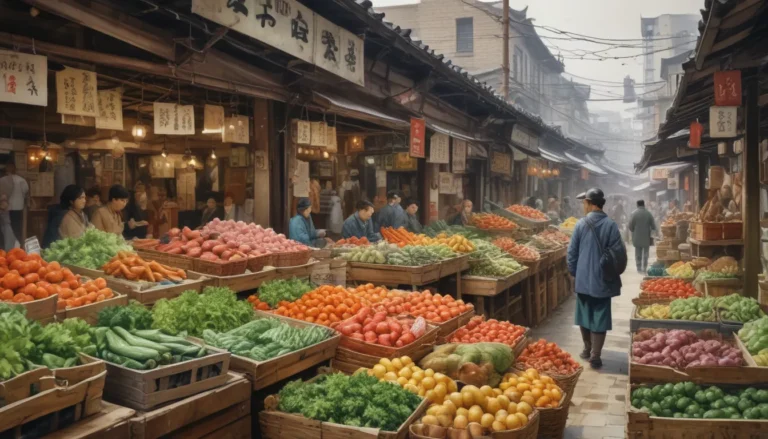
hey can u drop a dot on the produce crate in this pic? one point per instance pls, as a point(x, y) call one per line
point(257, 263)
point(454, 265)
point(490, 286)
point(533, 266)
point(552, 420)
point(111, 421)
point(265, 373)
point(552, 293)
point(541, 301)
point(733, 230)
point(669, 231)
point(353, 354)
point(179, 261)
point(383, 274)
point(230, 268)
point(523, 221)
point(728, 326)
point(42, 310)
point(221, 412)
point(517, 348)
point(42, 392)
point(530, 431)
point(243, 282)
point(722, 287)
point(635, 323)
point(304, 270)
point(90, 313)
point(279, 425)
point(706, 231)
point(445, 328)
point(146, 389)
point(291, 259)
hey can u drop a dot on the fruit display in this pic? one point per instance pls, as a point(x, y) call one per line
point(133, 267)
point(372, 294)
point(376, 327)
point(664, 288)
point(543, 243)
point(518, 251)
point(480, 330)
point(258, 304)
point(353, 240)
point(680, 349)
point(143, 349)
point(435, 308)
point(478, 364)
point(400, 236)
point(528, 212)
point(569, 223)
point(690, 400)
point(554, 234)
point(657, 269)
point(725, 267)
point(282, 290)
point(547, 358)
point(655, 311)
point(499, 267)
point(323, 305)
point(532, 386)
point(682, 271)
point(737, 308)
point(440, 226)
point(426, 383)
point(92, 250)
point(486, 250)
point(693, 308)
point(417, 255)
point(480, 409)
point(457, 243)
point(370, 254)
point(754, 335)
point(491, 221)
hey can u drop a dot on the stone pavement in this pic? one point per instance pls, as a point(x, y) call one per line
point(597, 408)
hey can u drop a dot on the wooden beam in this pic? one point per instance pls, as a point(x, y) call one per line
point(708, 39)
point(730, 41)
point(750, 206)
point(740, 13)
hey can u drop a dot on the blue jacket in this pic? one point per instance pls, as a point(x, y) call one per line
point(302, 229)
point(391, 216)
point(584, 255)
point(354, 226)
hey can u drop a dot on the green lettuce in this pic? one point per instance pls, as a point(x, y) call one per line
point(215, 308)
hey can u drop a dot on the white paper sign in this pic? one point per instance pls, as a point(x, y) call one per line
point(213, 119)
point(76, 92)
point(24, 78)
point(110, 110)
point(439, 149)
point(301, 185)
point(236, 130)
point(459, 162)
point(381, 178)
point(722, 122)
point(673, 182)
point(174, 119)
point(338, 51)
point(301, 132)
point(83, 121)
point(317, 134)
point(447, 183)
point(331, 142)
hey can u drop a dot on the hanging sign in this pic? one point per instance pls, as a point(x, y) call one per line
point(728, 88)
point(301, 132)
point(381, 178)
point(418, 127)
point(236, 130)
point(174, 119)
point(83, 121)
point(659, 174)
point(501, 163)
point(293, 28)
point(524, 138)
point(24, 78)
point(110, 110)
point(213, 119)
point(694, 140)
point(459, 162)
point(722, 122)
point(76, 92)
point(317, 134)
point(301, 182)
point(673, 182)
point(439, 149)
point(331, 143)
point(447, 183)
point(403, 162)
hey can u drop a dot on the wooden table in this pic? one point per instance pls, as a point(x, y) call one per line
point(486, 290)
point(394, 275)
point(732, 247)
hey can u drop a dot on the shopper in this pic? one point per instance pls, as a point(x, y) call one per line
point(391, 215)
point(17, 190)
point(566, 211)
point(67, 219)
point(212, 210)
point(231, 210)
point(92, 201)
point(595, 257)
point(302, 229)
point(109, 218)
point(464, 216)
point(412, 221)
point(642, 225)
point(360, 224)
point(136, 213)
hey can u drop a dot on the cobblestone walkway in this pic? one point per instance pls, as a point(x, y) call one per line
point(597, 409)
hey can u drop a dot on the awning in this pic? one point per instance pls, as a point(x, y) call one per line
point(573, 158)
point(594, 169)
point(647, 185)
point(347, 108)
point(553, 156)
point(453, 133)
point(617, 171)
point(477, 151)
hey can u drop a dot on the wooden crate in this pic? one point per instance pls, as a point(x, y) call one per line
point(303, 270)
point(146, 389)
point(454, 265)
point(90, 313)
point(179, 261)
point(490, 286)
point(636, 323)
point(540, 306)
point(111, 421)
point(722, 287)
point(207, 414)
point(445, 328)
point(353, 354)
point(265, 373)
point(382, 274)
point(552, 285)
point(243, 282)
point(43, 310)
point(734, 230)
point(41, 392)
point(706, 231)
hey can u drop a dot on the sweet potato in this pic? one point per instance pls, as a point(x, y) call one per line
point(219, 249)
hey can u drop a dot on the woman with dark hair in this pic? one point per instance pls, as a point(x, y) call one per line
point(212, 210)
point(67, 220)
point(135, 212)
point(109, 217)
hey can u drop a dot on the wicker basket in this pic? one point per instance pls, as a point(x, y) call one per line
point(645, 301)
point(552, 421)
point(567, 383)
point(231, 268)
point(291, 259)
point(530, 431)
point(177, 261)
point(257, 263)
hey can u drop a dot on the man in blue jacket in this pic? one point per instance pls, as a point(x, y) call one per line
point(302, 229)
point(593, 293)
point(391, 215)
point(360, 224)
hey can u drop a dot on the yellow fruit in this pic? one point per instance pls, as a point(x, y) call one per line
point(422, 392)
point(544, 401)
point(450, 406)
point(440, 390)
point(452, 386)
point(513, 422)
point(442, 410)
point(487, 390)
point(524, 408)
point(512, 407)
point(469, 388)
point(390, 367)
point(445, 420)
point(397, 364)
point(492, 406)
point(406, 361)
point(390, 376)
point(523, 418)
point(432, 410)
point(527, 399)
point(429, 372)
point(468, 400)
point(428, 383)
point(385, 362)
point(532, 372)
point(461, 411)
point(440, 377)
point(497, 392)
point(411, 388)
point(429, 420)
point(513, 394)
point(475, 413)
point(405, 373)
point(499, 426)
point(487, 420)
point(413, 382)
point(430, 395)
point(418, 375)
point(503, 401)
point(522, 387)
point(556, 394)
point(456, 399)
point(460, 422)
point(379, 370)
point(536, 393)
point(501, 415)
point(504, 385)
point(402, 381)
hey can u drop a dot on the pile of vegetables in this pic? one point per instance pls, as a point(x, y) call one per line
point(264, 339)
point(92, 250)
point(441, 227)
point(372, 294)
point(554, 234)
point(689, 400)
point(77, 294)
point(435, 308)
point(543, 243)
point(518, 251)
point(569, 223)
point(725, 266)
point(528, 212)
point(477, 364)
point(258, 304)
point(754, 335)
point(281, 290)
point(667, 289)
point(429, 384)
point(323, 305)
point(547, 358)
point(359, 400)
point(657, 269)
point(133, 267)
point(655, 311)
point(399, 236)
point(479, 330)
point(491, 221)
point(680, 349)
point(499, 267)
point(215, 308)
point(378, 328)
point(144, 349)
point(131, 317)
point(417, 255)
point(486, 250)
point(693, 308)
point(458, 243)
point(548, 396)
point(371, 254)
point(737, 308)
point(353, 240)
point(681, 270)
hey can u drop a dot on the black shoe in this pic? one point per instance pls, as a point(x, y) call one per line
point(596, 363)
point(585, 354)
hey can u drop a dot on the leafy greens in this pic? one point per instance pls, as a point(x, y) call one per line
point(215, 308)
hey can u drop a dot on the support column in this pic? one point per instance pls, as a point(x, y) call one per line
point(260, 145)
point(751, 166)
point(703, 162)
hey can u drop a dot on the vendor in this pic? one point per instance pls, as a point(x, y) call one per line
point(464, 216)
point(212, 210)
point(68, 219)
point(136, 213)
point(391, 215)
point(360, 224)
point(109, 217)
point(231, 210)
point(302, 229)
point(412, 223)
point(92, 201)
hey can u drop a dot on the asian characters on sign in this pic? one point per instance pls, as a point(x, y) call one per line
point(728, 88)
point(329, 41)
point(238, 6)
point(23, 78)
point(351, 56)
point(174, 119)
point(299, 28)
point(265, 19)
point(76, 92)
point(110, 110)
point(417, 148)
point(722, 121)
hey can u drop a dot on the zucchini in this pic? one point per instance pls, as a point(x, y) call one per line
point(134, 340)
point(123, 361)
point(158, 337)
point(119, 346)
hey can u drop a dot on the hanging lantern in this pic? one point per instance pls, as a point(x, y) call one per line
point(696, 131)
point(139, 132)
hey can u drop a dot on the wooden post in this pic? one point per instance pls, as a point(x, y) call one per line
point(751, 166)
point(703, 162)
point(505, 50)
point(260, 145)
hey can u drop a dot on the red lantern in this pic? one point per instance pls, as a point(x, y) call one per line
point(696, 130)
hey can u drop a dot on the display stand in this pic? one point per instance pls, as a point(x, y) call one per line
point(416, 276)
point(492, 296)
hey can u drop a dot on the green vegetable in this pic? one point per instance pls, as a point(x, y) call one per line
point(92, 250)
point(754, 334)
point(359, 400)
point(738, 308)
point(133, 316)
point(138, 341)
point(710, 403)
point(276, 291)
point(16, 345)
point(693, 308)
point(119, 346)
point(216, 309)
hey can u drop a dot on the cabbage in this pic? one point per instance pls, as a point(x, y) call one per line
point(92, 250)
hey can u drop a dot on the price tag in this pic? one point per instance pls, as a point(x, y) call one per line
point(32, 245)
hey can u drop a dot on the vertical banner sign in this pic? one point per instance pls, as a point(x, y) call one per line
point(76, 92)
point(694, 140)
point(722, 122)
point(418, 127)
point(331, 144)
point(447, 183)
point(728, 88)
point(174, 119)
point(459, 162)
point(301, 132)
point(673, 182)
point(110, 110)
point(23, 78)
point(213, 119)
point(317, 134)
point(439, 149)
point(501, 163)
point(236, 130)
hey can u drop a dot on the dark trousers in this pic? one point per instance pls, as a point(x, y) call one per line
point(17, 224)
point(641, 258)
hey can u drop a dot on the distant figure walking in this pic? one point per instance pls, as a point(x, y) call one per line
point(642, 226)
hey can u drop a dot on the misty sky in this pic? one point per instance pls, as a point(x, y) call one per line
point(601, 19)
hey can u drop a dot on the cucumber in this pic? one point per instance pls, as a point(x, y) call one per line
point(158, 337)
point(119, 346)
point(181, 349)
point(123, 361)
point(134, 340)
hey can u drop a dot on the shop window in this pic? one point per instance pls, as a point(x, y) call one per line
point(464, 35)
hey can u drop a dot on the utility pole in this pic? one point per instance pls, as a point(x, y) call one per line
point(505, 54)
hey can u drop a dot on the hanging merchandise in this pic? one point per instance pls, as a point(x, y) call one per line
point(439, 149)
point(76, 92)
point(213, 119)
point(301, 132)
point(110, 116)
point(25, 78)
point(459, 162)
point(317, 134)
point(236, 130)
point(331, 144)
point(695, 137)
point(174, 119)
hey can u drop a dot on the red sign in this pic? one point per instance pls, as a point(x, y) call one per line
point(728, 88)
point(695, 140)
point(686, 184)
point(433, 213)
point(418, 128)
